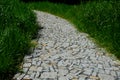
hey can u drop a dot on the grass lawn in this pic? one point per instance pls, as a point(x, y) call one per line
point(100, 19)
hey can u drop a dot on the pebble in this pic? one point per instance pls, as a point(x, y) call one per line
point(63, 53)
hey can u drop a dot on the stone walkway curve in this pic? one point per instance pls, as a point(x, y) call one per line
point(63, 53)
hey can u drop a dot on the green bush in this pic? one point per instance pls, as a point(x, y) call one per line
point(101, 21)
point(13, 46)
point(17, 27)
point(71, 2)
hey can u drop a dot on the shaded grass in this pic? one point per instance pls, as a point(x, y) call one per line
point(17, 28)
point(101, 20)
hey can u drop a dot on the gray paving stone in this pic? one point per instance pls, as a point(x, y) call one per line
point(113, 73)
point(70, 76)
point(52, 69)
point(94, 74)
point(33, 68)
point(82, 77)
point(34, 63)
point(38, 63)
point(26, 77)
point(102, 71)
point(32, 75)
point(106, 77)
point(60, 63)
point(25, 69)
point(65, 45)
point(16, 75)
point(62, 78)
point(28, 57)
point(49, 75)
point(100, 66)
point(118, 73)
point(62, 72)
point(37, 74)
point(27, 65)
point(39, 69)
point(88, 71)
point(20, 77)
point(107, 71)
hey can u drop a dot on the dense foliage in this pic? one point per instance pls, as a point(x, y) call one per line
point(71, 2)
point(102, 21)
point(17, 26)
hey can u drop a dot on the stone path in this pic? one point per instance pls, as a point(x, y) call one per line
point(63, 53)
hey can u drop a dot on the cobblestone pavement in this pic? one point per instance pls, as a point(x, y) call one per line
point(63, 53)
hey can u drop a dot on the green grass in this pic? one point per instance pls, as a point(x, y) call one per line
point(17, 28)
point(101, 20)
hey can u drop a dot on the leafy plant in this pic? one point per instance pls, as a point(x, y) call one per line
point(17, 27)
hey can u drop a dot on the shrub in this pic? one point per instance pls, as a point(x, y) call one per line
point(71, 2)
point(101, 21)
point(17, 27)
point(13, 45)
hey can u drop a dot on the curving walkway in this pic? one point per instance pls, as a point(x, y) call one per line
point(63, 53)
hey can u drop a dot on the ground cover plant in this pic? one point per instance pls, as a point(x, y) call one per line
point(17, 27)
point(100, 19)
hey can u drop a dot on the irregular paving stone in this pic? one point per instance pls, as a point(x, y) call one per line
point(27, 65)
point(94, 74)
point(107, 71)
point(32, 75)
point(62, 78)
point(82, 77)
point(34, 63)
point(62, 72)
point(65, 45)
point(113, 73)
point(25, 69)
point(88, 71)
point(37, 74)
point(20, 77)
point(69, 76)
point(39, 69)
point(94, 77)
point(33, 68)
point(102, 71)
point(106, 77)
point(30, 72)
point(118, 73)
point(49, 75)
point(26, 77)
point(51, 68)
point(74, 79)
point(38, 63)
point(60, 63)
point(28, 57)
point(16, 76)
point(100, 66)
